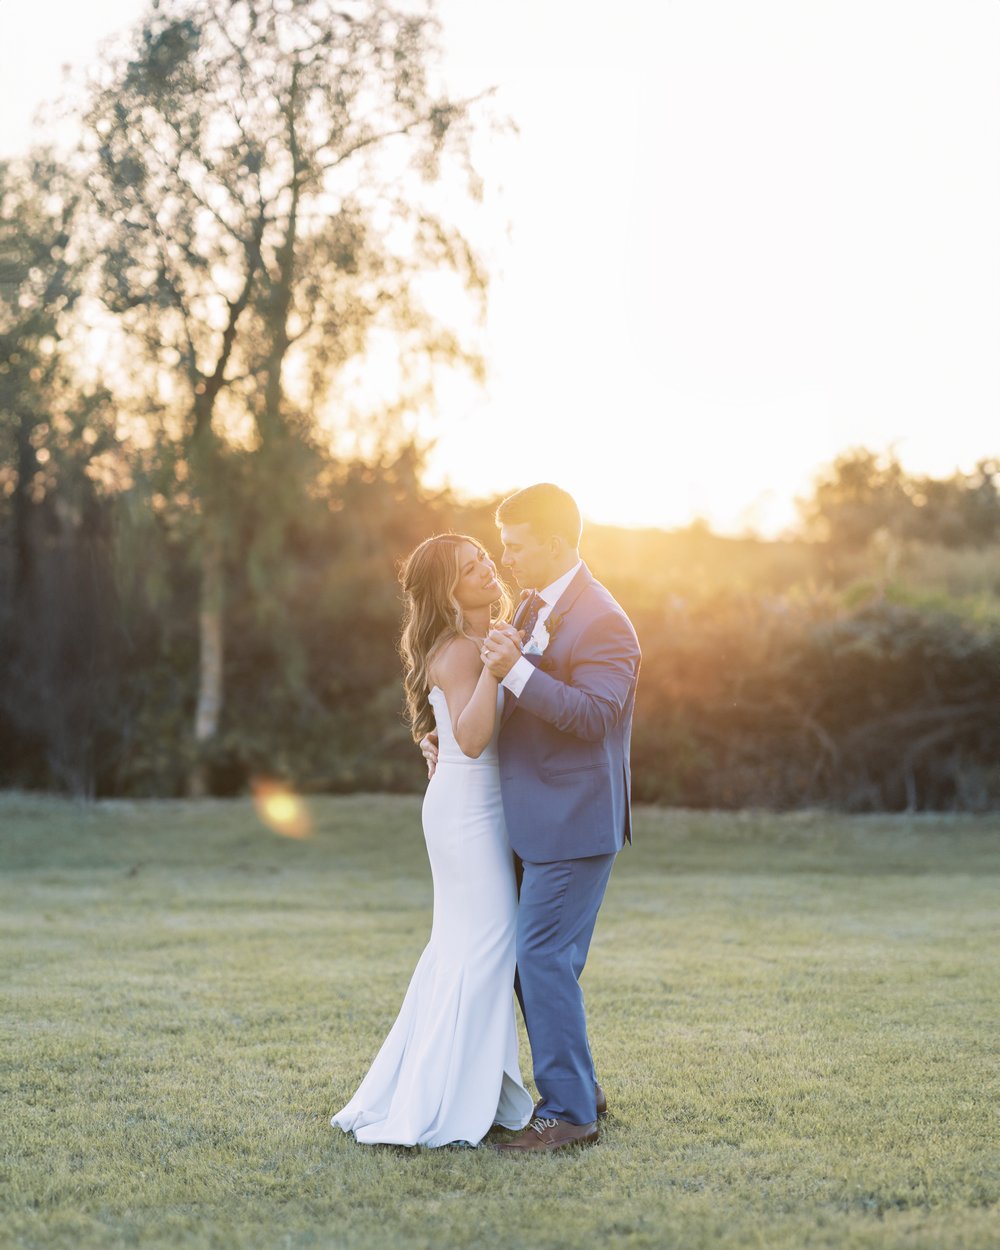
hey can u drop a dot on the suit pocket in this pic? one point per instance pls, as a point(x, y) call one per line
point(569, 772)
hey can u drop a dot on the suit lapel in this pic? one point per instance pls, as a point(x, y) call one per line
point(580, 582)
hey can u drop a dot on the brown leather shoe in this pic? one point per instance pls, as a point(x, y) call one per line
point(602, 1102)
point(544, 1134)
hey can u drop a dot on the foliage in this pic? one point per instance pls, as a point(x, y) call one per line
point(253, 209)
point(246, 166)
point(258, 235)
point(864, 697)
point(864, 494)
point(797, 700)
point(60, 465)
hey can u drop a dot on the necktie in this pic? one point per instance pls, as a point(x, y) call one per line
point(535, 605)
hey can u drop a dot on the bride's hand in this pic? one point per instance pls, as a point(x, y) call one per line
point(429, 750)
point(501, 650)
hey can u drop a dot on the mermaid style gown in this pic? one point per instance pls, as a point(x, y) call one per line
point(449, 1068)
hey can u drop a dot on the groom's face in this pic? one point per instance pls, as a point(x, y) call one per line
point(529, 558)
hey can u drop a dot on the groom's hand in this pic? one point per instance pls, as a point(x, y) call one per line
point(429, 749)
point(501, 650)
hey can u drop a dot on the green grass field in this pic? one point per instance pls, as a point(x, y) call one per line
point(794, 1018)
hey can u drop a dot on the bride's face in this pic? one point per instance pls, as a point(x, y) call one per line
point(477, 578)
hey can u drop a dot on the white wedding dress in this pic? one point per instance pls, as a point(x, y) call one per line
point(449, 1068)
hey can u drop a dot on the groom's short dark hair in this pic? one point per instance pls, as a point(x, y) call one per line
point(547, 509)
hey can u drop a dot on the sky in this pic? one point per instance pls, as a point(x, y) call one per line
point(730, 241)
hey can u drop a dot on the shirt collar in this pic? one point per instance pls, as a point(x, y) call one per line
point(550, 594)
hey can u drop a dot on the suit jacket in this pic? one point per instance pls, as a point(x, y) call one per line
point(564, 743)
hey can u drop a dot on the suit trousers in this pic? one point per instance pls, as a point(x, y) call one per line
point(556, 915)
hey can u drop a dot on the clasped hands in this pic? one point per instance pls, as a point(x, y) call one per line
point(501, 650)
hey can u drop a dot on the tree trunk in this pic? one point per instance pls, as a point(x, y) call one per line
point(279, 304)
point(210, 634)
point(25, 513)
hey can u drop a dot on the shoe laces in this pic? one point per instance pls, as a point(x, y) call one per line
point(540, 1124)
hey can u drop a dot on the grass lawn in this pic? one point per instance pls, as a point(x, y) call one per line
point(794, 1018)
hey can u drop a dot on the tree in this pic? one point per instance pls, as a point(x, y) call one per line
point(863, 495)
point(860, 494)
point(57, 450)
point(958, 511)
point(260, 228)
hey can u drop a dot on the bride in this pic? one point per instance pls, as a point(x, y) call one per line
point(448, 1070)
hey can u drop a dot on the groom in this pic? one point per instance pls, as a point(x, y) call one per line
point(569, 663)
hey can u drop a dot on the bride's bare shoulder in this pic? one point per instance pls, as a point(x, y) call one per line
point(456, 660)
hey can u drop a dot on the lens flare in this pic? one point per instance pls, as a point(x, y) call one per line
point(280, 808)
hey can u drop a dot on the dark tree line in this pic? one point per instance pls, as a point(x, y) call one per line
point(790, 697)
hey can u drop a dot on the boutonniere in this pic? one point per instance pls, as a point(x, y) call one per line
point(543, 635)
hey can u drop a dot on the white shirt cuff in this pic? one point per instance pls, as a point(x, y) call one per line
point(517, 678)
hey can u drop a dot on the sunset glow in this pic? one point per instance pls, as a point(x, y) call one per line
point(743, 238)
point(726, 243)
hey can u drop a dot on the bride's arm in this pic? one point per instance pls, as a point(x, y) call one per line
point(471, 693)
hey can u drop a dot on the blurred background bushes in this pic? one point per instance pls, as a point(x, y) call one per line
point(775, 674)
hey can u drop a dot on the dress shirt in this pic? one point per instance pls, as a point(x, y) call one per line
point(517, 678)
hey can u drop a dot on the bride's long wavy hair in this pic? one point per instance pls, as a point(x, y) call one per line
point(432, 615)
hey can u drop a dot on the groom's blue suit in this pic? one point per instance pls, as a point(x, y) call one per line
point(564, 775)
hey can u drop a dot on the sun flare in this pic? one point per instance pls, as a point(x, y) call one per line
point(280, 808)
